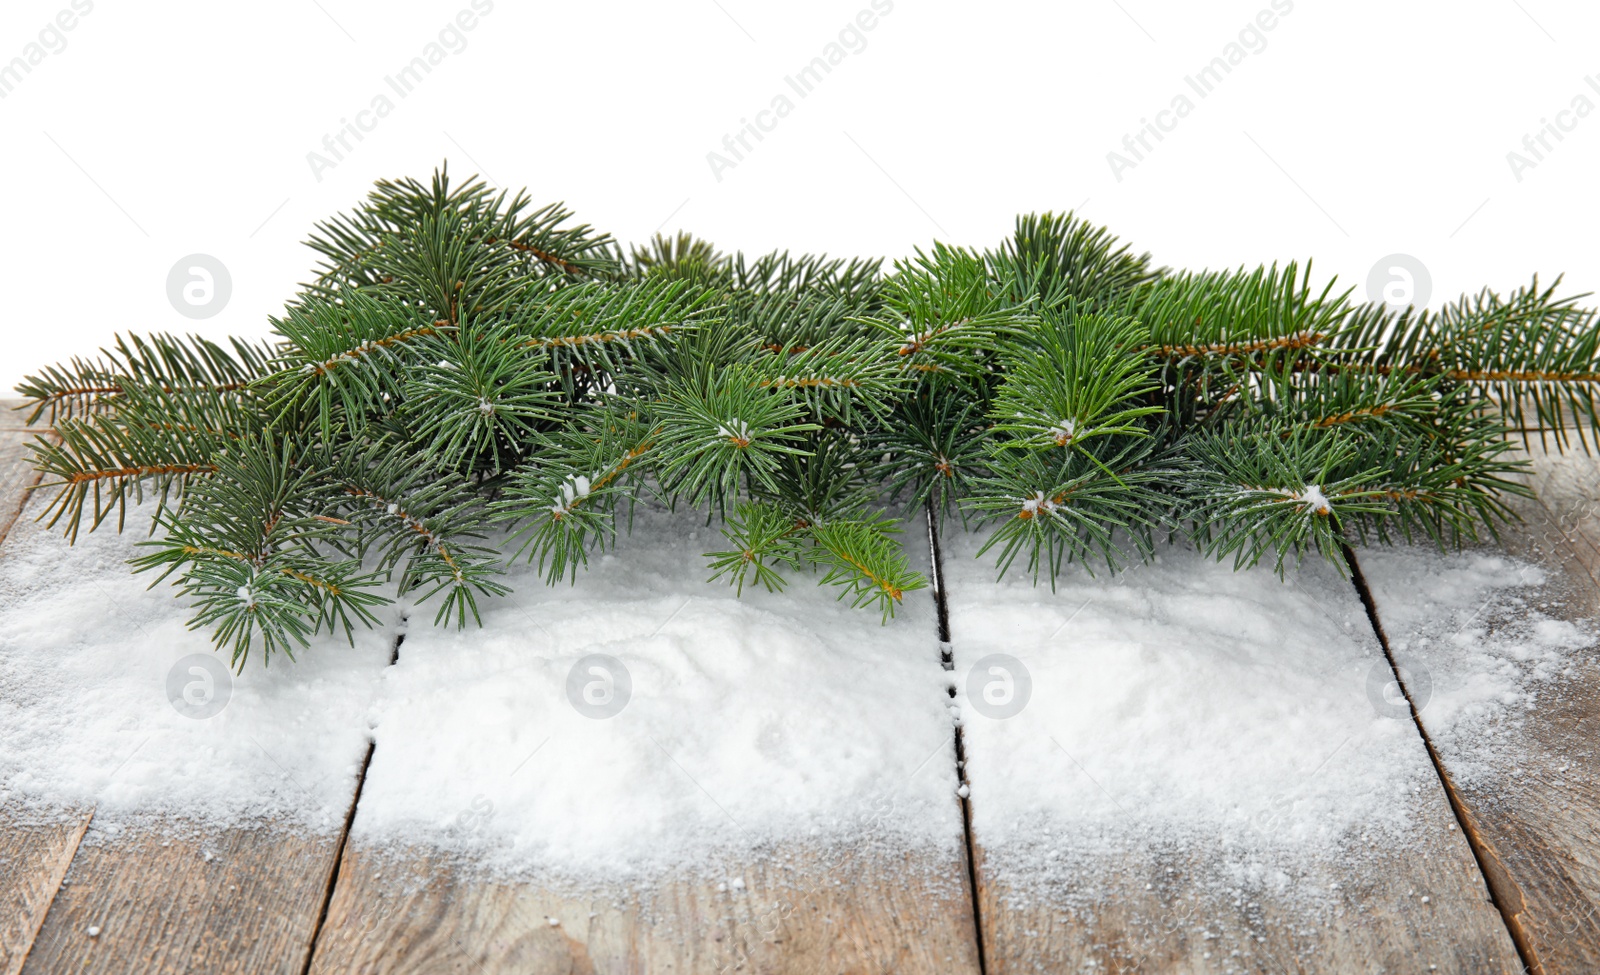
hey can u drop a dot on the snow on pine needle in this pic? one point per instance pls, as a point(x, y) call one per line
point(469, 379)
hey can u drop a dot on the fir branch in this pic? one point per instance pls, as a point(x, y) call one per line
point(602, 328)
point(1074, 378)
point(935, 446)
point(1296, 341)
point(481, 398)
point(1264, 488)
point(614, 335)
point(763, 537)
point(457, 250)
point(254, 558)
point(1060, 507)
point(564, 501)
point(155, 442)
point(163, 363)
point(344, 360)
point(714, 437)
point(464, 359)
point(865, 561)
point(413, 517)
point(1212, 315)
point(1053, 258)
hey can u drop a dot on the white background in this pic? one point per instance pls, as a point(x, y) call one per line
point(1361, 129)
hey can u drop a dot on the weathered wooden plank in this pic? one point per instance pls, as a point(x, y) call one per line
point(1528, 776)
point(33, 862)
point(150, 890)
point(17, 475)
point(1108, 844)
point(34, 851)
point(858, 910)
point(844, 891)
point(241, 900)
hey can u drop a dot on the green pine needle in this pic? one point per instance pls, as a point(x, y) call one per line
point(469, 378)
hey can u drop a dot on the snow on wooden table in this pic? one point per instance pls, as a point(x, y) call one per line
point(35, 851)
point(641, 772)
point(1500, 658)
point(17, 475)
point(214, 804)
point(1209, 775)
point(1179, 769)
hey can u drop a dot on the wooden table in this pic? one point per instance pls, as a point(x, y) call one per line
point(1518, 886)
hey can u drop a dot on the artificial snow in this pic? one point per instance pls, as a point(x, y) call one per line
point(637, 721)
point(1489, 640)
point(1183, 706)
point(640, 719)
point(108, 699)
point(1175, 697)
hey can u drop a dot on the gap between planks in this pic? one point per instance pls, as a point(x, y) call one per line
point(1504, 893)
point(29, 924)
point(344, 832)
point(53, 879)
point(1535, 815)
point(947, 660)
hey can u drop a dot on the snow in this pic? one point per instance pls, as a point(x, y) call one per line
point(635, 722)
point(735, 430)
point(1038, 502)
point(641, 720)
point(573, 489)
point(1312, 497)
point(1490, 640)
point(107, 698)
point(1229, 722)
point(731, 725)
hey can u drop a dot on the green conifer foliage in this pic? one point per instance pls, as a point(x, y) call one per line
point(470, 380)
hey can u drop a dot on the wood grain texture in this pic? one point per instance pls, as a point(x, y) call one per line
point(244, 900)
point(1182, 910)
point(34, 852)
point(1534, 798)
point(1109, 871)
point(17, 475)
point(34, 857)
point(869, 876)
point(850, 912)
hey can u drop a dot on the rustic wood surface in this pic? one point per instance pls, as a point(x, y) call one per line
point(16, 468)
point(250, 900)
point(1170, 911)
point(1538, 814)
point(34, 855)
point(1190, 904)
point(243, 900)
point(240, 901)
point(858, 912)
point(797, 907)
point(33, 862)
